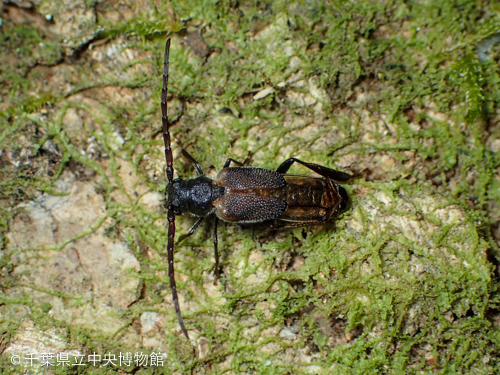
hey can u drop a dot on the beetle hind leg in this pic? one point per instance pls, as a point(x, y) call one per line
point(319, 169)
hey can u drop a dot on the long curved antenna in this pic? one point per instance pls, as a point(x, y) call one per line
point(170, 177)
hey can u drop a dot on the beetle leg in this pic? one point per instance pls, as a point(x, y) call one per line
point(197, 165)
point(282, 224)
point(229, 161)
point(319, 169)
point(216, 251)
point(191, 231)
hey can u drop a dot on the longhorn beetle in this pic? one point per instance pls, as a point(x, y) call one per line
point(246, 195)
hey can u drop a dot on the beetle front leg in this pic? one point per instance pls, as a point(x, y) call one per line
point(187, 155)
point(319, 169)
point(191, 231)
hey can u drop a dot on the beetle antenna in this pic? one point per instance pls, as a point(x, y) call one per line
point(170, 177)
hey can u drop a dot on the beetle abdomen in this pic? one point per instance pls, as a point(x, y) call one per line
point(310, 199)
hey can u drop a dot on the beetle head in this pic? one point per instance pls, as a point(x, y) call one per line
point(177, 196)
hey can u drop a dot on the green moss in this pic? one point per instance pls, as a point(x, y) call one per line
point(469, 74)
point(137, 27)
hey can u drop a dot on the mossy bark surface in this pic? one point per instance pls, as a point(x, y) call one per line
point(402, 95)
